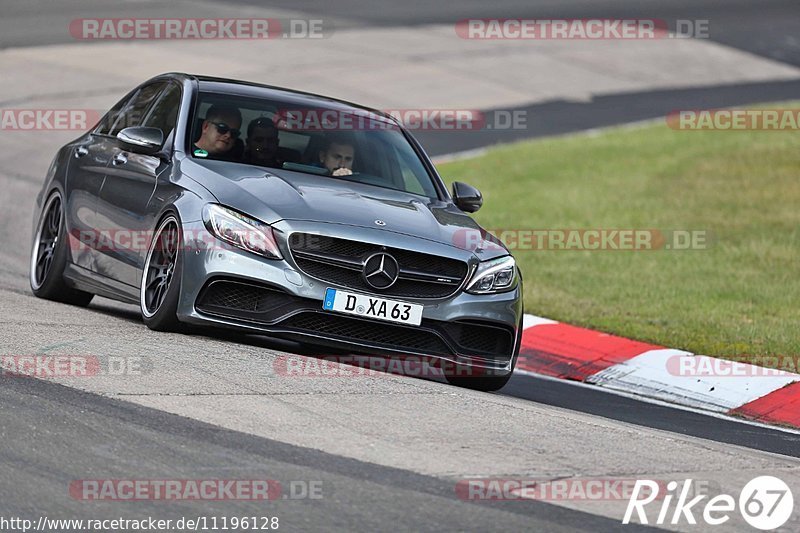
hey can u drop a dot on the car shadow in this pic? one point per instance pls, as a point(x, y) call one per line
point(328, 361)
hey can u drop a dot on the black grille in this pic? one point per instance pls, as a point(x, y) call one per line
point(340, 261)
point(433, 264)
point(479, 339)
point(388, 335)
point(228, 295)
point(318, 243)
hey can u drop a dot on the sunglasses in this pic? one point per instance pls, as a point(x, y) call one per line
point(223, 128)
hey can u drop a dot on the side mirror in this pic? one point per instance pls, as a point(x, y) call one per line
point(466, 197)
point(141, 140)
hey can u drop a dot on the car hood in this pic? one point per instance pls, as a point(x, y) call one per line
point(271, 195)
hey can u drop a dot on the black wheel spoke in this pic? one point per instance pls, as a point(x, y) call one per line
point(160, 267)
point(48, 237)
point(149, 296)
point(159, 295)
point(55, 219)
point(43, 263)
point(157, 280)
point(170, 246)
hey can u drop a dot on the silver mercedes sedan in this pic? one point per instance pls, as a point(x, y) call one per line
point(230, 204)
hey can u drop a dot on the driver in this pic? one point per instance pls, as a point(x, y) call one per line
point(219, 132)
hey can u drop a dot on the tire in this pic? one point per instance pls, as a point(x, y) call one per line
point(49, 257)
point(161, 277)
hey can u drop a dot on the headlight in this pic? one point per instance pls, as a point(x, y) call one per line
point(497, 275)
point(241, 231)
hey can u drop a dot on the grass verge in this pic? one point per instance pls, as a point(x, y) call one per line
point(737, 298)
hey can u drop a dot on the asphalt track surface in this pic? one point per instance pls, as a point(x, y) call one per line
point(765, 27)
point(206, 411)
point(560, 117)
point(357, 495)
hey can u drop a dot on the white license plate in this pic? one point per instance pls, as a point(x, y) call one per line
point(372, 307)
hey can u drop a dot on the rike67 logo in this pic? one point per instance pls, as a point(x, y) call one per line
point(766, 503)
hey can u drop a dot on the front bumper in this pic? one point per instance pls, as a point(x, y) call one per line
point(231, 288)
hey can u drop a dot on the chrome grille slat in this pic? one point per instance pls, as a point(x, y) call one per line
point(331, 260)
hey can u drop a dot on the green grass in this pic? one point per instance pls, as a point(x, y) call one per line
point(736, 299)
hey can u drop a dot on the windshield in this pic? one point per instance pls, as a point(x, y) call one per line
point(330, 142)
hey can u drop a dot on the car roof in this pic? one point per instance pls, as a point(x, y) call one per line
point(259, 90)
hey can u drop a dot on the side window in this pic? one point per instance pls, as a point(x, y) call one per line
point(164, 114)
point(134, 112)
point(108, 120)
point(202, 110)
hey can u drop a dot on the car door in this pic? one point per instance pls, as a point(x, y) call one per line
point(88, 159)
point(131, 179)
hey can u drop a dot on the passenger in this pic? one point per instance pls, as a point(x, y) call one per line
point(337, 156)
point(261, 147)
point(219, 133)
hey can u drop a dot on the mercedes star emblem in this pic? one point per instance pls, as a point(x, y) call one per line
point(380, 222)
point(380, 270)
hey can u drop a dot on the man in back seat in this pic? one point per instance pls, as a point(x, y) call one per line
point(261, 147)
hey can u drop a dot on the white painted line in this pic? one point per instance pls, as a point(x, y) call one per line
point(657, 374)
point(528, 321)
point(645, 399)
